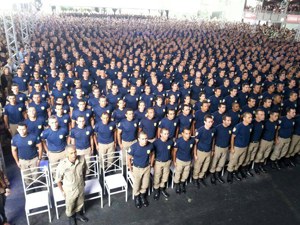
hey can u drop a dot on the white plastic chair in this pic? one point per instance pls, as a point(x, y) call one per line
point(58, 198)
point(36, 191)
point(113, 179)
point(93, 189)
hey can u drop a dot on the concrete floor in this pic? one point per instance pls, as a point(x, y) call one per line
point(268, 199)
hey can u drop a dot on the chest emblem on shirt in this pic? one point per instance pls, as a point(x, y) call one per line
point(87, 133)
point(87, 115)
point(110, 128)
point(29, 142)
point(175, 124)
point(64, 94)
point(43, 108)
point(155, 124)
point(212, 134)
point(135, 125)
point(169, 146)
point(21, 99)
point(61, 136)
point(40, 126)
point(65, 121)
point(20, 109)
point(191, 145)
point(148, 152)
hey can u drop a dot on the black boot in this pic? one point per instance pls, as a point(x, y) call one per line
point(201, 180)
point(236, 176)
point(213, 178)
point(144, 200)
point(219, 177)
point(249, 170)
point(275, 165)
point(177, 188)
point(164, 193)
point(137, 201)
point(292, 162)
point(156, 194)
point(196, 183)
point(262, 168)
point(72, 220)
point(183, 189)
point(229, 177)
point(256, 168)
point(243, 172)
point(80, 216)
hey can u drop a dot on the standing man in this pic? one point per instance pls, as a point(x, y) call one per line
point(257, 130)
point(162, 156)
point(127, 132)
point(149, 125)
point(105, 138)
point(26, 149)
point(70, 175)
point(82, 137)
point(13, 114)
point(139, 155)
point(203, 150)
point(239, 143)
point(182, 157)
point(222, 143)
point(295, 143)
point(283, 137)
point(266, 142)
point(54, 140)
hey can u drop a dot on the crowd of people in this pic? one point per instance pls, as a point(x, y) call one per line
point(163, 93)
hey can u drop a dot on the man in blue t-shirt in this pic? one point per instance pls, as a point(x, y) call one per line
point(140, 156)
point(283, 137)
point(203, 150)
point(240, 140)
point(182, 158)
point(54, 140)
point(162, 156)
point(222, 143)
point(26, 150)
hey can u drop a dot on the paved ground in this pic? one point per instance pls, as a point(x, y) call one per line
point(272, 198)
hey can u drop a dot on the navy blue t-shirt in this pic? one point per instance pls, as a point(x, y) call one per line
point(184, 149)
point(26, 146)
point(205, 139)
point(82, 137)
point(163, 149)
point(223, 136)
point(105, 132)
point(129, 129)
point(56, 140)
point(286, 127)
point(242, 133)
point(141, 154)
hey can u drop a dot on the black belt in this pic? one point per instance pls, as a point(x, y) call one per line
point(29, 159)
point(254, 142)
point(161, 161)
point(140, 167)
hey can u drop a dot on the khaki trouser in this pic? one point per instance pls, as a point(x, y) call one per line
point(281, 148)
point(13, 129)
point(141, 178)
point(56, 156)
point(126, 146)
point(265, 148)
point(182, 171)
point(201, 164)
point(251, 153)
point(32, 165)
point(74, 200)
point(87, 153)
point(105, 149)
point(294, 146)
point(161, 173)
point(218, 159)
point(236, 159)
